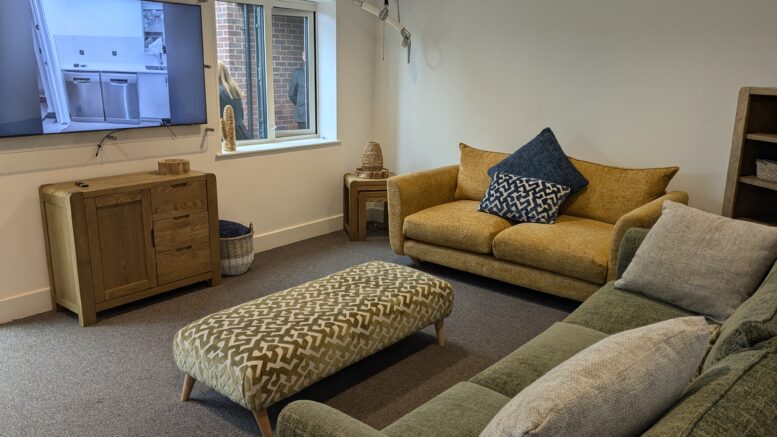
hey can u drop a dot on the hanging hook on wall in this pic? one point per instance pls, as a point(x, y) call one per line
point(383, 15)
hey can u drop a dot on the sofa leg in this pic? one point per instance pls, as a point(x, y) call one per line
point(264, 422)
point(440, 328)
point(188, 383)
point(415, 260)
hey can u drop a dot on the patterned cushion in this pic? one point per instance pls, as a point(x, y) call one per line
point(542, 158)
point(265, 350)
point(523, 199)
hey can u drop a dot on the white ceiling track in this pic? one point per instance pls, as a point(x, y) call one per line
point(383, 15)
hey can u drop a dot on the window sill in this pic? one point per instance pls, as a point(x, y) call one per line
point(272, 148)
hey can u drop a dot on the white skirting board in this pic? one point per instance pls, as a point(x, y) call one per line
point(293, 234)
point(25, 304)
point(39, 301)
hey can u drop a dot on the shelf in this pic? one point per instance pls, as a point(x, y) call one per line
point(753, 180)
point(767, 138)
point(764, 220)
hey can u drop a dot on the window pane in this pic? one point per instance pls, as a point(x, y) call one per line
point(291, 74)
point(240, 51)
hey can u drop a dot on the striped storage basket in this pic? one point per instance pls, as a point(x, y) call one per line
point(237, 253)
point(766, 170)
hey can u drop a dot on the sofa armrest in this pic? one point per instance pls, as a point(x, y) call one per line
point(643, 217)
point(413, 192)
point(631, 241)
point(312, 419)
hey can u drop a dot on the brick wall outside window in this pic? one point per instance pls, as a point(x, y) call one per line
point(288, 44)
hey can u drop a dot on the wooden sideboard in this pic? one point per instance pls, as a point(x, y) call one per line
point(118, 239)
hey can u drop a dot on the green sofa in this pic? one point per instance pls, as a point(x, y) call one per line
point(735, 395)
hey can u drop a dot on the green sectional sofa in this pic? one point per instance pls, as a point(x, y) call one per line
point(735, 395)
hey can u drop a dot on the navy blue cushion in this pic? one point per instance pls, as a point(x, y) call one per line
point(228, 229)
point(523, 199)
point(542, 158)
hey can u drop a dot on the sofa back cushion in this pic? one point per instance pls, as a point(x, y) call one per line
point(473, 172)
point(734, 397)
point(614, 191)
point(618, 386)
point(755, 321)
point(701, 262)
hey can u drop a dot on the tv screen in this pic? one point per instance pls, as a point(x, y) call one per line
point(89, 65)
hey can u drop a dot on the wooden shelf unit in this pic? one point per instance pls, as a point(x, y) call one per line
point(755, 137)
point(115, 240)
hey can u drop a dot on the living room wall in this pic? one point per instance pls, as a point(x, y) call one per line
point(623, 82)
point(288, 195)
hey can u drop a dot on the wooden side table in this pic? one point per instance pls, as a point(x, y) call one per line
point(356, 193)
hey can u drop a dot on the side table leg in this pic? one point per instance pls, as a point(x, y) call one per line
point(362, 217)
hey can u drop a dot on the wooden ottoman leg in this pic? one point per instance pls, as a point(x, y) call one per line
point(264, 422)
point(188, 383)
point(440, 327)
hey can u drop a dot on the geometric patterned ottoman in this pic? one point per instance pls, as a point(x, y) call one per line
point(265, 350)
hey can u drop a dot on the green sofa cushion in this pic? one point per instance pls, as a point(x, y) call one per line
point(735, 397)
point(610, 310)
point(631, 241)
point(461, 411)
point(514, 372)
point(753, 322)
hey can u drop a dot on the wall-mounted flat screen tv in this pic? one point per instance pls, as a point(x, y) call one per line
point(90, 65)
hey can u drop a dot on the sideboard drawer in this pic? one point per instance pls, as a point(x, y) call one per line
point(180, 231)
point(182, 263)
point(179, 199)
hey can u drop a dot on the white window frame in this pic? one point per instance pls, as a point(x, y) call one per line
point(291, 8)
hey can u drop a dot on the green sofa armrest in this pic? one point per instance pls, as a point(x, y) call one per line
point(413, 192)
point(643, 217)
point(631, 241)
point(312, 419)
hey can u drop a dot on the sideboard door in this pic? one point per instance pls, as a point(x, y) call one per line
point(120, 244)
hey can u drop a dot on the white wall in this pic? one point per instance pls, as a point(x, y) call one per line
point(636, 83)
point(287, 195)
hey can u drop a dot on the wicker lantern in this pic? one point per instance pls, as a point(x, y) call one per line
point(372, 163)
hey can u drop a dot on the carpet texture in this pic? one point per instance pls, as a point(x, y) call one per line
point(118, 377)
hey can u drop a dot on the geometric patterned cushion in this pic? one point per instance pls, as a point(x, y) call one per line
point(262, 351)
point(523, 199)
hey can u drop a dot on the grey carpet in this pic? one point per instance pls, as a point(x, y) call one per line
point(118, 377)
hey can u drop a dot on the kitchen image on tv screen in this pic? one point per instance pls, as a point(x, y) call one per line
point(87, 65)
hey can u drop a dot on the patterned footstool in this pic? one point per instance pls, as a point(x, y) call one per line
point(270, 348)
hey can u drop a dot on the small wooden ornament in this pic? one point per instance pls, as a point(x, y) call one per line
point(174, 166)
point(229, 143)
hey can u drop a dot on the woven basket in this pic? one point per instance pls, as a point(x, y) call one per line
point(766, 170)
point(372, 163)
point(237, 253)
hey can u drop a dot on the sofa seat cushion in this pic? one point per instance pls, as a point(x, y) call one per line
point(610, 310)
point(573, 246)
point(461, 411)
point(458, 225)
point(524, 365)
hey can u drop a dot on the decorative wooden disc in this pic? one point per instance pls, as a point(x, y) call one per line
point(174, 166)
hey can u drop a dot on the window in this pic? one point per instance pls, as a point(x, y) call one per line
point(270, 86)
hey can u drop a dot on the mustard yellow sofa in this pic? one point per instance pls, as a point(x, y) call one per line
point(434, 217)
